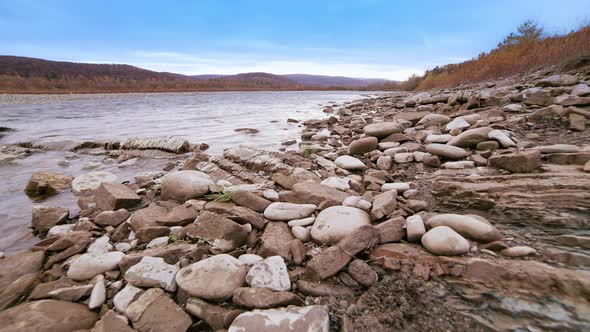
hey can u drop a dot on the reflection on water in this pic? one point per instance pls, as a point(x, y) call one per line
point(199, 117)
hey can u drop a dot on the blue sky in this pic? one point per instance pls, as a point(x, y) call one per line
point(362, 38)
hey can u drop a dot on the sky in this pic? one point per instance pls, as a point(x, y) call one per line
point(364, 38)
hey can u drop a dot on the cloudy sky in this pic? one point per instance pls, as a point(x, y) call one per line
point(363, 38)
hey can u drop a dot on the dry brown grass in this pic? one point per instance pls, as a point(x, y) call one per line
point(510, 60)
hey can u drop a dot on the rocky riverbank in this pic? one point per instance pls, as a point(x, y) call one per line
point(462, 209)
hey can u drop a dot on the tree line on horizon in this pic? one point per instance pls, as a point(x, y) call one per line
point(526, 49)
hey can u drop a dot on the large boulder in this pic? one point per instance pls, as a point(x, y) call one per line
point(336, 222)
point(47, 316)
point(447, 151)
point(382, 129)
point(154, 311)
point(475, 228)
point(184, 185)
point(214, 278)
point(314, 193)
point(88, 183)
point(350, 163)
point(444, 241)
point(363, 145)
point(471, 137)
point(43, 184)
point(517, 162)
point(558, 80)
point(89, 265)
point(13, 267)
point(220, 232)
point(434, 120)
point(113, 196)
point(288, 211)
point(271, 273)
point(45, 217)
point(311, 318)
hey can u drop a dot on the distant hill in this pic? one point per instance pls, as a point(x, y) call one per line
point(30, 75)
point(332, 81)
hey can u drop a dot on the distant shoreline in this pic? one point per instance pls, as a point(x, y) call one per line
point(184, 91)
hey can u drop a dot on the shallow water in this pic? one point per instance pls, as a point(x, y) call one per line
point(209, 117)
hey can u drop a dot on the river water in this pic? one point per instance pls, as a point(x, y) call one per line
point(202, 117)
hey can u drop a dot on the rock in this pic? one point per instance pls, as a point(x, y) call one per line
point(47, 316)
point(45, 217)
point(577, 122)
point(301, 233)
point(72, 294)
point(336, 222)
point(350, 163)
point(311, 318)
point(60, 230)
point(14, 267)
point(111, 218)
point(214, 278)
point(384, 163)
point(581, 90)
point(114, 196)
point(557, 148)
point(324, 289)
point(250, 200)
point(154, 311)
point(271, 273)
point(415, 228)
point(276, 240)
point(357, 202)
point(218, 231)
point(470, 138)
point(100, 246)
point(431, 138)
point(88, 183)
point(434, 120)
point(111, 322)
point(431, 161)
point(288, 211)
point(163, 240)
point(512, 108)
point(262, 298)
point(466, 225)
point(89, 265)
point(98, 295)
point(337, 183)
point(250, 259)
point(362, 272)
point(382, 129)
point(314, 193)
point(558, 80)
point(384, 204)
point(499, 136)
point(391, 230)
point(517, 162)
point(327, 263)
point(180, 215)
point(587, 166)
point(457, 123)
point(488, 145)
point(125, 297)
point(301, 222)
point(165, 143)
point(399, 187)
point(443, 240)
point(217, 317)
point(518, 251)
point(363, 145)
point(18, 290)
point(184, 185)
point(537, 96)
point(403, 158)
point(152, 272)
point(458, 164)
point(447, 151)
point(298, 251)
point(149, 233)
point(43, 184)
point(271, 195)
point(147, 217)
